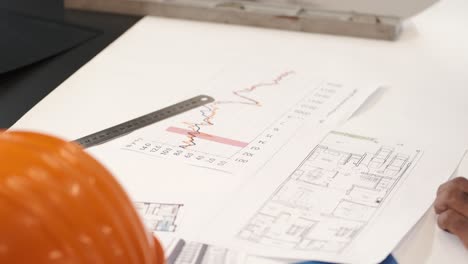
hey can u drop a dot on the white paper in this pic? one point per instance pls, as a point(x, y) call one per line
point(177, 192)
point(435, 244)
point(255, 113)
point(180, 251)
point(349, 199)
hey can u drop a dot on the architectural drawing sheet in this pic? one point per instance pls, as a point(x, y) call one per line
point(256, 112)
point(181, 170)
point(332, 195)
point(328, 206)
point(159, 217)
point(180, 251)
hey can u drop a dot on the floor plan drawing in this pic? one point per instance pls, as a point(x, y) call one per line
point(332, 195)
point(159, 217)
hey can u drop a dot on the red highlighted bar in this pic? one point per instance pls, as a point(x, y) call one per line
point(209, 137)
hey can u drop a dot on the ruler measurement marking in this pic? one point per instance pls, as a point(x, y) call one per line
point(142, 121)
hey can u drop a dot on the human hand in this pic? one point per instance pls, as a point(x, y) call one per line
point(451, 205)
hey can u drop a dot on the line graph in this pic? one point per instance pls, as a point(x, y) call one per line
point(209, 111)
point(256, 112)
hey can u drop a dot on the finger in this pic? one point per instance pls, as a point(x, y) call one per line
point(452, 198)
point(460, 183)
point(454, 223)
point(440, 207)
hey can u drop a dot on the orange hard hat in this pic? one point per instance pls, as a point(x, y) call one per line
point(59, 205)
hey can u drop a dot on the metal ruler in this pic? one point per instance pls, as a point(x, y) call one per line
point(142, 121)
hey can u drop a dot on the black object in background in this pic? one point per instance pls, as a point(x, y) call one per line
point(26, 40)
point(50, 9)
point(21, 89)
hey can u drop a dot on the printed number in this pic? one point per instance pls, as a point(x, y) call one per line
point(242, 160)
point(188, 155)
point(310, 107)
point(134, 142)
point(302, 112)
point(155, 149)
point(317, 102)
point(145, 146)
point(248, 154)
point(328, 90)
point(178, 152)
point(166, 151)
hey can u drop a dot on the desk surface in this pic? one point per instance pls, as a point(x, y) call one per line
point(425, 74)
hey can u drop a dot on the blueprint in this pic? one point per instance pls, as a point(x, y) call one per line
point(199, 158)
point(344, 198)
point(181, 251)
point(159, 217)
point(332, 195)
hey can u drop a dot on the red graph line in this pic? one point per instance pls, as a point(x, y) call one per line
point(210, 111)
